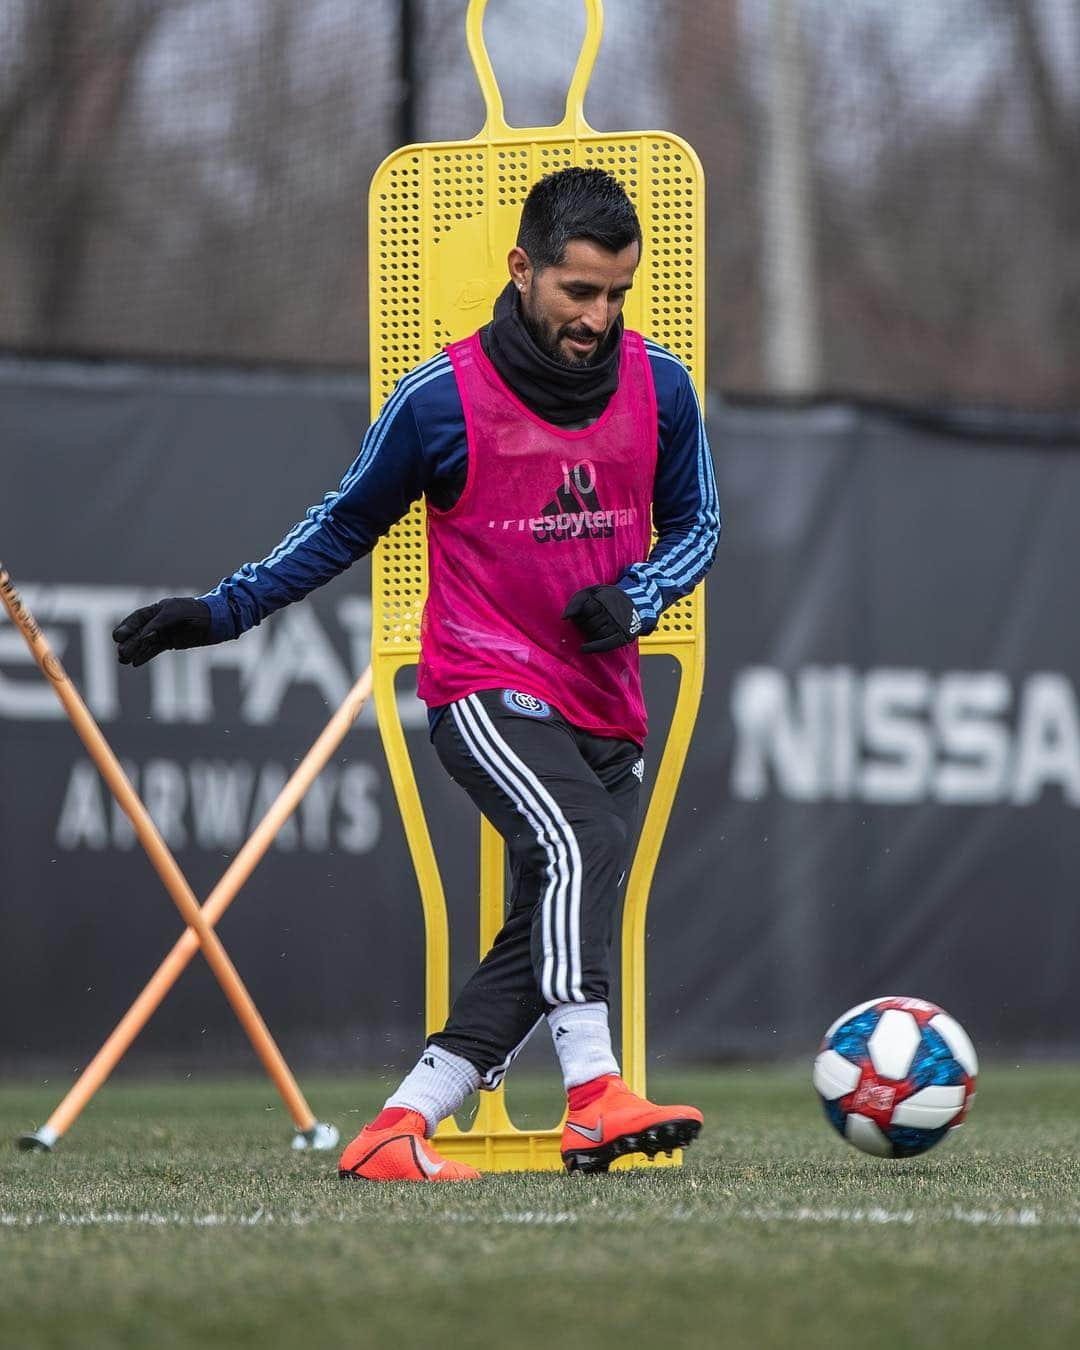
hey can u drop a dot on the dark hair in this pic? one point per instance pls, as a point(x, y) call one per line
point(576, 204)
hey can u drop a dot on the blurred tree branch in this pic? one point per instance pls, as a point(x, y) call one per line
point(59, 120)
point(184, 179)
point(1055, 123)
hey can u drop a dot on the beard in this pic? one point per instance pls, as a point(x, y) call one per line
point(548, 339)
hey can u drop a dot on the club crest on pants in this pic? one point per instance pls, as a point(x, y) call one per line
point(528, 704)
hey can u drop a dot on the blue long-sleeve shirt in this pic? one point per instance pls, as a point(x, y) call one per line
point(417, 446)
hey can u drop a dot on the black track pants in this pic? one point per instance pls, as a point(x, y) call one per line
point(565, 801)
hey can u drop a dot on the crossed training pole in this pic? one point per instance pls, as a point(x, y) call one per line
point(310, 1133)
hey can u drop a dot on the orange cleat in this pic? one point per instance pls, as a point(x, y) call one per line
point(607, 1120)
point(399, 1153)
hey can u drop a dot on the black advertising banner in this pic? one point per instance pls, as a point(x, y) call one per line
point(889, 740)
point(126, 486)
point(881, 797)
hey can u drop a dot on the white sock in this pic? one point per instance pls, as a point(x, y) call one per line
point(436, 1087)
point(582, 1041)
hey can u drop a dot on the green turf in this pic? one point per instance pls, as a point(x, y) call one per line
point(174, 1215)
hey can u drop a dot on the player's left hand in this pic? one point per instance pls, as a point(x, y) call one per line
point(606, 617)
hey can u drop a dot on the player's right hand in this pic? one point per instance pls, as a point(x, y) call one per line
point(167, 625)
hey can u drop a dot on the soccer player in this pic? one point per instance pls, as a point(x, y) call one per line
point(542, 444)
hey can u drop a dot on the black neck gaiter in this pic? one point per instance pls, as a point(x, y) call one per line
point(562, 395)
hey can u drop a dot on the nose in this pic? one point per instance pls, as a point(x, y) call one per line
point(595, 316)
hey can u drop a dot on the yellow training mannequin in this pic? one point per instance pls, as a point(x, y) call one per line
point(442, 219)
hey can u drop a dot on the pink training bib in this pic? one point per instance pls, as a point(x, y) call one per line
point(544, 513)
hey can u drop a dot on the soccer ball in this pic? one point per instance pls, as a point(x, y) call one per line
point(895, 1075)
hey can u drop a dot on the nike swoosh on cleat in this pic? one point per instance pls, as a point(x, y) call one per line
point(595, 1134)
point(431, 1169)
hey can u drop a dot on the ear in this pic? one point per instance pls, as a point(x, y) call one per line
point(521, 269)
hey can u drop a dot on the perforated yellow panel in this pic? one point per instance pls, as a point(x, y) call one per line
point(442, 220)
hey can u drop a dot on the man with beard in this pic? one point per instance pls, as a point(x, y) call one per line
point(542, 445)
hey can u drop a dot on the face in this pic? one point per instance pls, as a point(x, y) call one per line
point(571, 306)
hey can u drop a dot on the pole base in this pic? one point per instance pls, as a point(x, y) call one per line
point(319, 1139)
point(38, 1141)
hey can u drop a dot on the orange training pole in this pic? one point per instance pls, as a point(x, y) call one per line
point(164, 863)
point(217, 902)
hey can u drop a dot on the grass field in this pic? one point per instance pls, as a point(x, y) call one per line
point(174, 1215)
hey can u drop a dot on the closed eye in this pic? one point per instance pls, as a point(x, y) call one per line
point(587, 292)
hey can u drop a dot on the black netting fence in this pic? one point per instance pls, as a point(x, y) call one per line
point(893, 189)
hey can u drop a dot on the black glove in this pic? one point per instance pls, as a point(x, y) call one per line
point(168, 625)
point(606, 616)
